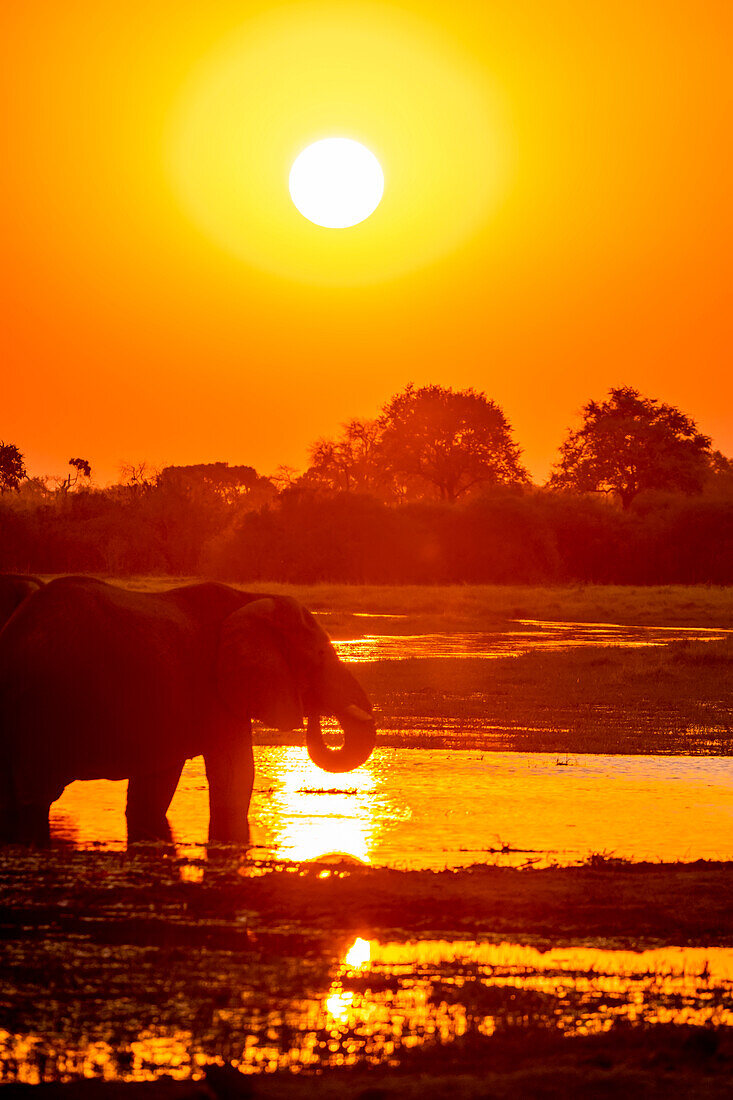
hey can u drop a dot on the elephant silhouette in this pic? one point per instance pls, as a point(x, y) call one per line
point(100, 682)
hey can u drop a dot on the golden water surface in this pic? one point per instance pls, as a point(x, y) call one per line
point(526, 636)
point(386, 997)
point(433, 808)
point(292, 1004)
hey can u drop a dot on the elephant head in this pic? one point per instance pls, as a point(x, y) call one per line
point(277, 664)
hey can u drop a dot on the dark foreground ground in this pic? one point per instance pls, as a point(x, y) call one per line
point(140, 897)
point(98, 947)
point(666, 1062)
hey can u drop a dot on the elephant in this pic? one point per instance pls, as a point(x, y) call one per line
point(101, 682)
point(14, 588)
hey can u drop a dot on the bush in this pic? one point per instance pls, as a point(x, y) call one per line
point(506, 536)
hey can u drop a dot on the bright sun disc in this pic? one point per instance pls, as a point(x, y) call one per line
point(336, 183)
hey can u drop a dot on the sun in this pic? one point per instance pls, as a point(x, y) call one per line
point(395, 145)
point(336, 183)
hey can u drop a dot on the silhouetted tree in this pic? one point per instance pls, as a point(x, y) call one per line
point(12, 467)
point(448, 441)
point(628, 444)
point(229, 483)
point(719, 482)
point(138, 476)
point(720, 466)
point(80, 468)
point(351, 463)
point(216, 519)
point(35, 491)
point(284, 477)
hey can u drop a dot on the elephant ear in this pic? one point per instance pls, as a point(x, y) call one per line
point(254, 677)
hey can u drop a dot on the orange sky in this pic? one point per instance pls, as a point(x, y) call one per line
point(130, 333)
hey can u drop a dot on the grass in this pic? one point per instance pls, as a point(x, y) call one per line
point(670, 699)
point(480, 606)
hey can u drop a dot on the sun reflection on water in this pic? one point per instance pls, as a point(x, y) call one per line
point(426, 991)
point(434, 808)
point(386, 997)
point(340, 1001)
point(303, 818)
point(359, 954)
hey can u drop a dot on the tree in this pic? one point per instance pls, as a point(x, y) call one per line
point(228, 483)
point(447, 441)
point(12, 467)
point(719, 483)
point(80, 468)
point(284, 477)
point(138, 476)
point(351, 463)
point(720, 466)
point(628, 444)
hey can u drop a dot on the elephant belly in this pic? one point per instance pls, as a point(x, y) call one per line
point(100, 683)
point(56, 730)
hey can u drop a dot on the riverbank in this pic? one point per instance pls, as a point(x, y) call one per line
point(477, 607)
point(620, 904)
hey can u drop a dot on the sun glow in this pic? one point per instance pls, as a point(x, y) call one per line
point(272, 106)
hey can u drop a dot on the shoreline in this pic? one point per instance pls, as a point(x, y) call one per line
point(626, 905)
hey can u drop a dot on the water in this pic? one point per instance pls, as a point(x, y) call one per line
point(278, 998)
point(373, 1001)
point(532, 635)
point(435, 808)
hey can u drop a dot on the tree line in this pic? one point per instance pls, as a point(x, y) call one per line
point(431, 491)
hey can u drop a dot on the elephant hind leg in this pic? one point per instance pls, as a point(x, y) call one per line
point(148, 798)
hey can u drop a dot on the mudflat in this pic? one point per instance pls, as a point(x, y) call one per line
point(118, 966)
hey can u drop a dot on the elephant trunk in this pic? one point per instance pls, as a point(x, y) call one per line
point(360, 735)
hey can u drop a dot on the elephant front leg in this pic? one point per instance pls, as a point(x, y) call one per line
point(230, 770)
point(148, 799)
